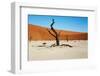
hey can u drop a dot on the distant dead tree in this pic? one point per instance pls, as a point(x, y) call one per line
point(30, 38)
point(55, 35)
point(67, 38)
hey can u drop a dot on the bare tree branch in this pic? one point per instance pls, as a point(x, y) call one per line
point(52, 27)
point(52, 23)
point(51, 33)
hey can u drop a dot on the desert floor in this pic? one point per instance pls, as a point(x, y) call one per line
point(39, 51)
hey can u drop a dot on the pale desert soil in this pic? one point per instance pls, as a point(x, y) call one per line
point(79, 50)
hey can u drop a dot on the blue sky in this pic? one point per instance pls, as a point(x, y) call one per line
point(72, 23)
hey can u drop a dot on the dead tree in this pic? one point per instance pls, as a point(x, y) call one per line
point(67, 38)
point(55, 35)
point(30, 38)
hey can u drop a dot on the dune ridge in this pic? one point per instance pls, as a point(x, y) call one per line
point(36, 32)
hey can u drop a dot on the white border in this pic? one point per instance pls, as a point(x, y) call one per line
point(19, 44)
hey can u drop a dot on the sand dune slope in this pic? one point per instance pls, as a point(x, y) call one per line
point(41, 33)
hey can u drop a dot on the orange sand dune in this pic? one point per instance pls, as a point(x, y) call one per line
point(41, 33)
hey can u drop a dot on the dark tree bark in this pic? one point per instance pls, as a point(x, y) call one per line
point(55, 35)
point(30, 38)
point(67, 38)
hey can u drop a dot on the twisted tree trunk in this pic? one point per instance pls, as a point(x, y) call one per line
point(56, 36)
